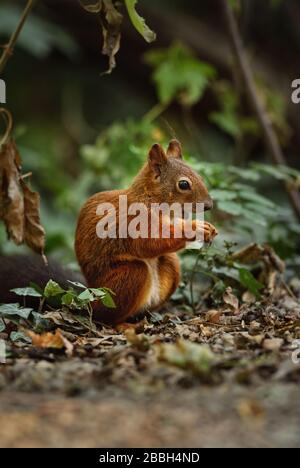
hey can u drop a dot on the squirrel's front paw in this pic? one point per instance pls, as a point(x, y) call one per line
point(203, 231)
point(210, 232)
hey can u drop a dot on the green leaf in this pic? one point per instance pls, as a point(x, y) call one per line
point(231, 208)
point(243, 173)
point(39, 36)
point(247, 279)
point(26, 292)
point(226, 121)
point(235, 4)
point(86, 296)
point(139, 22)
point(68, 298)
point(7, 310)
point(2, 325)
point(19, 336)
point(53, 289)
point(108, 301)
point(40, 324)
point(223, 195)
point(266, 212)
point(77, 284)
point(254, 216)
point(99, 292)
point(259, 199)
point(178, 75)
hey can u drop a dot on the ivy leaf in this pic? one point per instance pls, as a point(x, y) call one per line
point(77, 284)
point(98, 292)
point(53, 289)
point(139, 22)
point(19, 336)
point(86, 296)
point(26, 292)
point(7, 310)
point(108, 301)
point(2, 325)
point(68, 298)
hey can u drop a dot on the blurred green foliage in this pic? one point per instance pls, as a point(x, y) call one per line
point(179, 75)
point(249, 204)
point(38, 37)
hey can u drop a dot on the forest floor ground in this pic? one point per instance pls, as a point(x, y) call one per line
point(219, 379)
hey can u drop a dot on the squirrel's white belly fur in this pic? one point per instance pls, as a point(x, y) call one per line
point(154, 293)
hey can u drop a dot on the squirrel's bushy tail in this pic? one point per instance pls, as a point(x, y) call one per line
point(18, 271)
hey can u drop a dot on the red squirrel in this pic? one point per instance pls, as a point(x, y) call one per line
point(142, 272)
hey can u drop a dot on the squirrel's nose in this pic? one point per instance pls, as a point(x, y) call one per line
point(208, 204)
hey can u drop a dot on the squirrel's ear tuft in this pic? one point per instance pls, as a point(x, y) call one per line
point(174, 150)
point(157, 158)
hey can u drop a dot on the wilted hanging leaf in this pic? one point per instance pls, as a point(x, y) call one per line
point(111, 20)
point(11, 196)
point(91, 7)
point(34, 233)
point(111, 24)
point(139, 22)
point(19, 206)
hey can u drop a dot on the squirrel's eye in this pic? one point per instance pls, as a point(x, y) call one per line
point(184, 185)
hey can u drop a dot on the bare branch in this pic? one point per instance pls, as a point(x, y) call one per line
point(9, 48)
point(270, 137)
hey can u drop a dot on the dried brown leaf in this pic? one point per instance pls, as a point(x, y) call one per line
point(34, 233)
point(273, 344)
point(231, 300)
point(11, 197)
point(47, 340)
point(91, 6)
point(111, 26)
point(213, 316)
point(52, 340)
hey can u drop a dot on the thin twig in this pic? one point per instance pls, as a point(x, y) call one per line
point(270, 137)
point(9, 48)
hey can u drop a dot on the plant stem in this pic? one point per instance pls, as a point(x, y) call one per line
point(192, 279)
point(270, 137)
point(155, 112)
point(9, 48)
